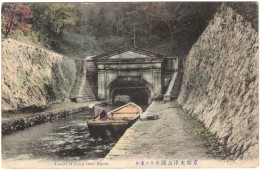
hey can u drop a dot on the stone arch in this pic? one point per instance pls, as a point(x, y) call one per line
point(130, 86)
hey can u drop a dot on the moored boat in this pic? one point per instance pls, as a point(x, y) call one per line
point(119, 120)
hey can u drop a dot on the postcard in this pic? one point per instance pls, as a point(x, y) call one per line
point(129, 85)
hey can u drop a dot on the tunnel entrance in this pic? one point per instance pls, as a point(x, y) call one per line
point(125, 95)
point(133, 90)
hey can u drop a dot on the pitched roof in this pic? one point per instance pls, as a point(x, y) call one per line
point(133, 49)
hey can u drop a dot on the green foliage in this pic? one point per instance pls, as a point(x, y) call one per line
point(249, 10)
point(27, 36)
point(60, 16)
point(63, 78)
point(42, 89)
point(49, 20)
point(59, 84)
point(77, 84)
point(69, 71)
point(102, 27)
point(83, 29)
point(50, 95)
point(71, 43)
point(15, 16)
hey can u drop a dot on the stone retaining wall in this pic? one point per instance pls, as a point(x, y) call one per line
point(220, 83)
point(32, 76)
point(23, 122)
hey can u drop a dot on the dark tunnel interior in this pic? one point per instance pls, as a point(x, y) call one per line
point(136, 92)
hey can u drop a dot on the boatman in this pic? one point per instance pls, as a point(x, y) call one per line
point(99, 111)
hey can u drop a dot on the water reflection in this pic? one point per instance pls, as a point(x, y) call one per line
point(64, 138)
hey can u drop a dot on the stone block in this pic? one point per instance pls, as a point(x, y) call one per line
point(148, 116)
point(166, 97)
point(79, 99)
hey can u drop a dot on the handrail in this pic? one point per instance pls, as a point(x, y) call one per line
point(171, 83)
point(167, 96)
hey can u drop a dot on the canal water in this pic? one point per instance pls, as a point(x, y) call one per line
point(61, 139)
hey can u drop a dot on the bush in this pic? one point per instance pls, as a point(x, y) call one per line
point(69, 71)
point(63, 78)
point(27, 36)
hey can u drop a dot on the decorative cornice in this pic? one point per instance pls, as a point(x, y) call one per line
point(154, 55)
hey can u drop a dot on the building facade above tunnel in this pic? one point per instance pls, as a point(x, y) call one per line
point(132, 71)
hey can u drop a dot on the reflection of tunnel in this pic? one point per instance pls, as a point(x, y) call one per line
point(138, 90)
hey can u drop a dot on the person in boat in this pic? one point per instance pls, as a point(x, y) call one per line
point(99, 111)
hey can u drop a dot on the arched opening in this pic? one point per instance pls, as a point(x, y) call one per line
point(123, 90)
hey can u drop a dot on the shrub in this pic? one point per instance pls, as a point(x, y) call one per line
point(69, 71)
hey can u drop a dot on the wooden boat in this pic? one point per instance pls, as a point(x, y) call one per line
point(119, 120)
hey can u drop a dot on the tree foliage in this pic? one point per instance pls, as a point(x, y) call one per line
point(16, 16)
point(169, 28)
point(83, 29)
point(50, 19)
point(249, 10)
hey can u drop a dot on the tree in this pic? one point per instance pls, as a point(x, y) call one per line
point(162, 11)
point(132, 25)
point(249, 10)
point(80, 29)
point(16, 16)
point(50, 19)
point(184, 21)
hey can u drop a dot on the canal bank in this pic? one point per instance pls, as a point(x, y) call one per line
point(168, 142)
point(169, 137)
point(19, 121)
point(62, 139)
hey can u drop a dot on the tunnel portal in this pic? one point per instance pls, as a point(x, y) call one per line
point(138, 90)
point(133, 72)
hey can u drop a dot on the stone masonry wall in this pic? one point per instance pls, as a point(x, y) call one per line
point(220, 83)
point(13, 122)
point(23, 122)
point(33, 77)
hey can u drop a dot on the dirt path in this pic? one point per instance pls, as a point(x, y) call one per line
point(169, 137)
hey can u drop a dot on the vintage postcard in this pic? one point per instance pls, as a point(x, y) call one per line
point(129, 85)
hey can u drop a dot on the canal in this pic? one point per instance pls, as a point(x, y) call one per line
point(65, 138)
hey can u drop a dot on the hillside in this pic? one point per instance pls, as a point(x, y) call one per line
point(33, 77)
point(220, 84)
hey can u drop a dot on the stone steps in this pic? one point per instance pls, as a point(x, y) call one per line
point(93, 84)
point(88, 94)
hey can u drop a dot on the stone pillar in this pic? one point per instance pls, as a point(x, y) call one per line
point(157, 83)
point(101, 85)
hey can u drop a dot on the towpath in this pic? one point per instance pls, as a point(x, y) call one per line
point(169, 137)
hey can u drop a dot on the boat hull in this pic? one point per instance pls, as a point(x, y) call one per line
point(115, 129)
point(118, 122)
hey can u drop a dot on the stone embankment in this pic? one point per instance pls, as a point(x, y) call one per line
point(167, 138)
point(24, 121)
point(32, 76)
point(220, 83)
point(175, 140)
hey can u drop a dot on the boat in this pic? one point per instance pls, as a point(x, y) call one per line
point(119, 120)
